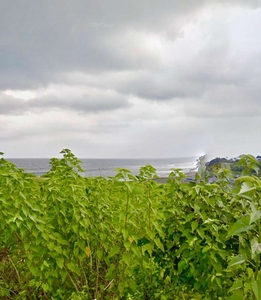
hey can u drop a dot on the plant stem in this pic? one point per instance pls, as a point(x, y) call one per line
point(85, 278)
point(258, 256)
point(127, 208)
point(97, 278)
point(74, 284)
point(149, 206)
point(16, 271)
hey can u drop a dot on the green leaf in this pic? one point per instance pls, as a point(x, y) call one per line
point(159, 244)
point(22, 195)
point(238, 284)
point(197, 188)
point(237, 295)
point(115, 250)
point(33, 218)
point(182, 265)
point(75, 228)
point(148, 247)
point(99, 254)
point(255, 214)
point(128, 186)
point(61, 241)
point(218, 281)
point(205, 249)
point(255, 248)
point(255, 289)
point(194, 225)
point(250, 273)
point(50, 246)
point(256, 286)
point(58, 249)
point(241, 225)
point(246, 187)
point(60, 262)
point(237, 260)
point(158, 228)
point(46, 287)
point(73, 267)
point(126, 258)
point(201, 232)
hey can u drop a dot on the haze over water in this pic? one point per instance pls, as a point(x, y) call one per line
point(106, 167)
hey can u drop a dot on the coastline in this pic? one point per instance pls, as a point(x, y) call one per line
point(189, 176)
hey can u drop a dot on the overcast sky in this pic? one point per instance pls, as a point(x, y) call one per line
point(143, 78)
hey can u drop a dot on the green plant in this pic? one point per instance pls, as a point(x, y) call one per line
point(65, 236)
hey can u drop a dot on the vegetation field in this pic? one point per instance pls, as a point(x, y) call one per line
point(64, 236)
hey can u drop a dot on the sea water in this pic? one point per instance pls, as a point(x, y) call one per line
point(106, 167)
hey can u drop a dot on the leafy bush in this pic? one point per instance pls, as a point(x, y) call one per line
point(64, 236)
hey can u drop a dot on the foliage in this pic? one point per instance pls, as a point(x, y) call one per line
point(244, 165)
point(65, 236)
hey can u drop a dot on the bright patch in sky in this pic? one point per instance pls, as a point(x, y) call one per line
point(21, 94)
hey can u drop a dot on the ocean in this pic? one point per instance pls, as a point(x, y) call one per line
point(106, 167)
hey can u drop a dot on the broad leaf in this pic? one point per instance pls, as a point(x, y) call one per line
point(238, 284)
point(255, 214)
point(246, 187)
point(241, 225)
point(256, 286)
point(255, 248)
point(237, 260)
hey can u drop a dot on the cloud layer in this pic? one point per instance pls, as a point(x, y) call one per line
point(117, 79)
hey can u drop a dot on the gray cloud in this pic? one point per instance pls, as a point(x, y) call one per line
point(84, 103)
point(41, 40)
point(10, 105)
point(143, 71)
point(87, 102)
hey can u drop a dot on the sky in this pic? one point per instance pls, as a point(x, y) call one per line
point(130, 79)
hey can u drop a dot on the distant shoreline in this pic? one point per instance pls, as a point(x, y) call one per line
point(190, 174)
